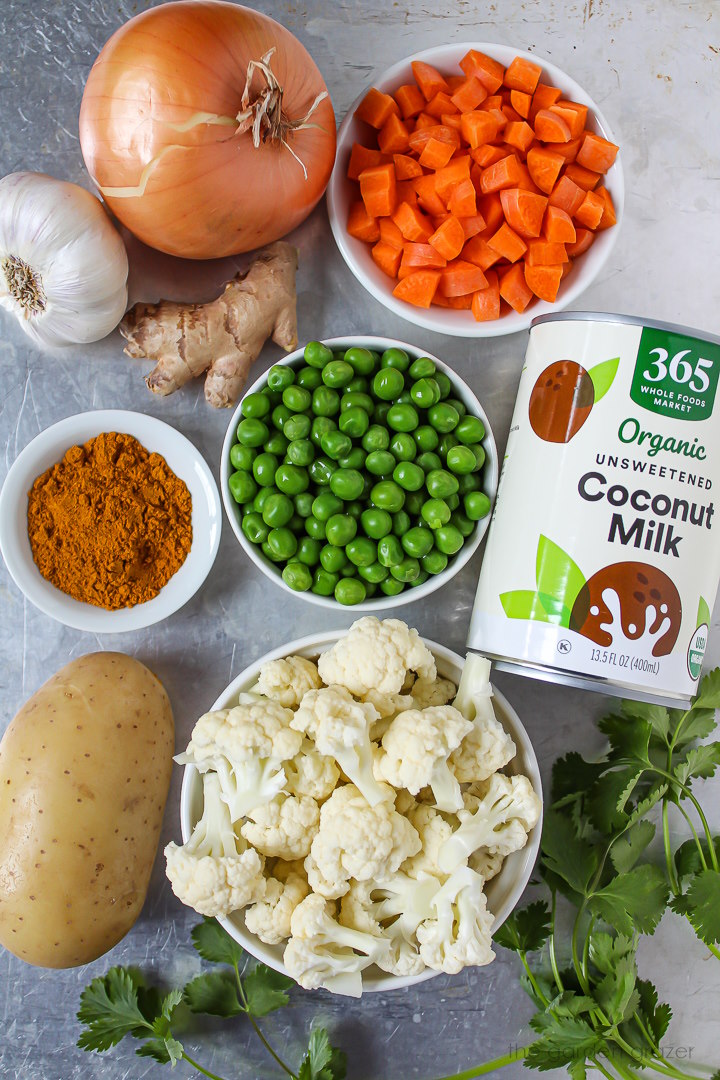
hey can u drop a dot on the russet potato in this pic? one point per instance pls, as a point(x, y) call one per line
point(84, 775)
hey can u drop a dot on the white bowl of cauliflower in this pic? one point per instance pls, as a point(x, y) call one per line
point(361, 810)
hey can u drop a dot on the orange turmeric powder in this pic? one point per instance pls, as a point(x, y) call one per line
point(111, 523)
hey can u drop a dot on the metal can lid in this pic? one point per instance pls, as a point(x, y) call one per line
point(633, 320)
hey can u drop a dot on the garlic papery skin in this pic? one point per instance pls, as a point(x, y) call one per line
point(63, 264)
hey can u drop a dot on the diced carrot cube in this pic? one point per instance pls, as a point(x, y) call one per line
point(441, 103)
point(448, 239)
point(435, 154)
point(439, 132)
point(544, 167)
point(521, 102)
point(387, 257)
point(488, 71)
point(378, 188)
point(597, 153)
point(545, 253)
point(486, 302)
point(487, 155)
point(412, 223)
point(410, 100)
point(423, 121)
point(376, 107)
point(393, 136)
point(518, 134)
point(543, 98)
point(568, 150)
point(406, 168)
point(573, 114)
point(462, 202)
point(567, 195)
point(423, 255)
point(361, 225)
point(608, 216)
point(514, 288)
point(590, 210)
point(418, 288)
point(406, 192)
point(503, 174)
point(523, 210)
point(453, 173)
point(544, 281)
point(507, 244)
point(460, 278)
point(549, 127)
point(491, 209)
point(362, 157)
point(429, 79)
point(510, 115)
point(472, 225)
point(584, 239)
point(389, 232)
point(478, 251)
point(478, 127)
point(471, 94)
point(451, 120)
point(454, 82)
point(522, 74)
point(584, 178)
point(426, 189)
point(558, 226)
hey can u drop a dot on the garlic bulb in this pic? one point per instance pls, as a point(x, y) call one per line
point(63, 265)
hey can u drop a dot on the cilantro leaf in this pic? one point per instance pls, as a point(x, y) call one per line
point(322, 1061)
point(214, 993)
point(698, 724)
point(644, 805)
point(167, 1051)
point(572, 775)
point(215, 944)
point(628, 741)
point(565, 854)
point(577, 1070)
point(567, 1004)
point(609, 795)
point(657, 1016)
point(607, 951)
point(109, 1009)
point(703, 905)
point(526, 929)
point(266, 990)
point(633, 901)
point(701, 761)
point(708, 696)
point(628, 848)
point(616, 992)
point(657, 716)
point(687, 857)
point(566, 1040)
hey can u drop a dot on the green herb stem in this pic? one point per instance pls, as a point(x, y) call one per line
point(601, 1068)
point(200, 1069)
point(256, 1027)
point(696, 838)
point(670, 862)
point(533, 981)
point(489, 1066)
point(689, 794)
point(551, 948)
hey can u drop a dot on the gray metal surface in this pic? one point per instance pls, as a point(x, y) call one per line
point(654, 68)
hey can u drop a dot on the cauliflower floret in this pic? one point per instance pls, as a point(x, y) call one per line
point(428, 692)
point(499, 818)
point(459, 932)
point(433, 830)
point(246, 746)
point(376, 655)
point(394, 910)
point(321, 952)
point(487, 747)
point(287, 681)
point(269, 918)
point(356, 840)
point(311, 773)
point(388, 706)
point(283, 828)
point(340, 726)
point(211, 873)
point(485, 864)
point(415, 751)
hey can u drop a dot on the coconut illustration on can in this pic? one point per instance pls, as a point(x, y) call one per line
point(601, 565)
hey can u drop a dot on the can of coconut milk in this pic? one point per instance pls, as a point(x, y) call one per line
point(603, 556)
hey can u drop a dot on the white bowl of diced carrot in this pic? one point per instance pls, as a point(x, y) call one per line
point(475, 188)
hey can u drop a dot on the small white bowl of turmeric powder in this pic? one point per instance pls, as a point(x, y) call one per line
point(109, 521)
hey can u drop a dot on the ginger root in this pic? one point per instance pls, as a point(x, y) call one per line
point(223, 337)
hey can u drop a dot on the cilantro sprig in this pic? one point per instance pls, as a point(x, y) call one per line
point(119, 1004)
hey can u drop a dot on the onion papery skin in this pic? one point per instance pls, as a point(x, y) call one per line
point(163, 97)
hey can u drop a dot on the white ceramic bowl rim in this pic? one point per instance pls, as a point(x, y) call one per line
point(521, 862)
point(460, 323)
point(490, 474)
point(45, 450)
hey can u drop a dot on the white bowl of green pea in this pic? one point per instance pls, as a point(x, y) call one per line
point(359, 472)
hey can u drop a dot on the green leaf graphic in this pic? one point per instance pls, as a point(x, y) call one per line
point(703, 615)
point(556, 573)
point(602, 376)
point(523, 604)
point(557, 611)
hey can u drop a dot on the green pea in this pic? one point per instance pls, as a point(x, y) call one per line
point(435, 512)
point(280, 414)
point(387, 496)
point(273, 396)
point(323, 582)
point(350, 591)
point(395, 358)
point(337, 373)
point(280, 376)
point(401, 522)
point(390, 551)
point(407, 570)
point(441, 483)
point(453, 501)
point(335, 444)
point(362, 361)
point(355, 459)
point(321, 471)
point(297, 426)
point(340, 529)
point(303, 504)
point(391, 587)
point(424, 393)
point(255, 528)
point(277, 444)
point(325, 505)
point(479, 453)
point(297, 576)
point(309, 378)
point(277, 510)
point(403, 447)
point(404, 399)
point(458, 405)
point(269, 553)
point(409, 476)
point(422, 368)
point(308, 550)
point(356, 400)
point(242, 487)
point(376, 523)
point(426, 438)
point(282, 542)
point(448, 539)
point(361, 551)
point(252, 432)
point(354, 508)
point(414, 501)
point(333, 558)
point(358, 385)
point(461, 460)
point(301, 452)
point(319, 427)
point(354, 422)
point(403, 417)
point(417, 541)
point(292, 479)
point(434, 562)
point(477, 505)
point(296, 523)
point(374, 573)
point(375, 438)
point(315, 528)
point(469, 482)
point(388, 383)
point(443, 417)
point(317, 354)
point(347, 484)
point(242, 457)
point(462, 523)
point(429, 461)
point(264, 467)
point(470, 430)
point(348, 570)
point(446, 444)
point(444, 383)
point(325, 402)
point(420, 579)
point(255, 405)
point(380, 412)
point(380, 463)
point(262, 497)
point(296, 398)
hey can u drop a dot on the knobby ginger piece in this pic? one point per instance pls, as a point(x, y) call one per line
point(223, 337)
